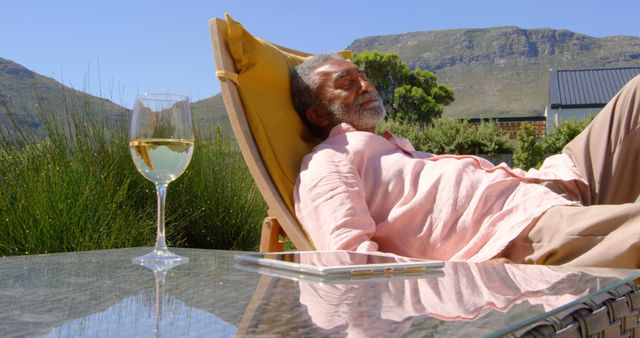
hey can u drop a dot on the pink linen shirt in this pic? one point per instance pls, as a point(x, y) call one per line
point(364, 192)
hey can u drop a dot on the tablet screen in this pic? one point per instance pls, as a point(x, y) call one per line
point(336, 278)
point(339, 262)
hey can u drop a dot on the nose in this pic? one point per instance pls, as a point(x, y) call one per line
point(365, 86)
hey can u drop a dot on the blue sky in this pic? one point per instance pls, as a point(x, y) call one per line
point(119, 48)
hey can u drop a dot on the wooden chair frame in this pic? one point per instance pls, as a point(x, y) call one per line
point(280, 221)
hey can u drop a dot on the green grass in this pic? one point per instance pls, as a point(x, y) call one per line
point(216, 202)
point(78, 189)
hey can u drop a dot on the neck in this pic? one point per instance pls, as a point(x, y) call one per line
point(325, 131)
point(370, 130)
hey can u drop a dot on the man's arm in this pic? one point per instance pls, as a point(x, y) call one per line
point(331, 205)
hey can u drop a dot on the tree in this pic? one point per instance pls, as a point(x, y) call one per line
point(385, 71)
point(411, 104)
point(409, 96)
point(529, 153)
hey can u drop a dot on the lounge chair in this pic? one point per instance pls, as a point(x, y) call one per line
point(254, 79)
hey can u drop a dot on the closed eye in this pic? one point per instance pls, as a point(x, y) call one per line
point(342, 79)
point(346, 78)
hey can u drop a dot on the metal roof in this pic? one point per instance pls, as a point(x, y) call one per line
point(587, 88)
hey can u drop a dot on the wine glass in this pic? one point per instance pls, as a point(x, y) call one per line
point(161, 144)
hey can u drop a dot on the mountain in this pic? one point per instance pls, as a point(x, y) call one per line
point(210, 116)
point(27, 98)
point(502, 71)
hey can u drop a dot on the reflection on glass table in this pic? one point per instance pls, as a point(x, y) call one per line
point(459, 300)
point(100, 294)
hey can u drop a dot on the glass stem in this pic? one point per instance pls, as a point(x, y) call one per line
point(161, 243)
point(160, 276)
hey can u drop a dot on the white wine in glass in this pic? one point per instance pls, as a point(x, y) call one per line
point(161, 144)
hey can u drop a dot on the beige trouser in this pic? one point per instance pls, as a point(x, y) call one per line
point(604, 232)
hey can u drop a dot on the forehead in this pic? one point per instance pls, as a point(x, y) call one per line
point(334, 68)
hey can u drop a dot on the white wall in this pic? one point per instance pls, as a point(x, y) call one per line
point(555, 116)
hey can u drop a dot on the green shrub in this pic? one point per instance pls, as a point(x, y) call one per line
point(532, 151)
point(414, 132)
point(529, 153)
point(491, 140)
point(216, 199)
point(452, 136)
point(565, 132)
point(63, 196)
point(78, 189)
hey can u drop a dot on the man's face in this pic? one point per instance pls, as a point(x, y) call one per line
point(347, 95)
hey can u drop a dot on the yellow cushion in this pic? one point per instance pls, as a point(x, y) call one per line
point(264, 86)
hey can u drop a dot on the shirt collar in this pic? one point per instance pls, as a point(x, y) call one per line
point(400, 142)
point(341, 128)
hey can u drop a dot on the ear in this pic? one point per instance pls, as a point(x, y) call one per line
point(318, 116)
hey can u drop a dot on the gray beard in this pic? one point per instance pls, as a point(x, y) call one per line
point(358, 117)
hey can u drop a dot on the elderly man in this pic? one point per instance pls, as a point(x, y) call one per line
point(361, 191)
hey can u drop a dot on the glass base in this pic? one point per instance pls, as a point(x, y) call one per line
point(160, 260)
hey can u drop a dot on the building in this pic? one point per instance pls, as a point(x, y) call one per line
point(511, 125)
point(579, 94)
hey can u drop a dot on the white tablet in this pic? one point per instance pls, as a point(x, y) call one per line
point(329, 263)
point(337, 279)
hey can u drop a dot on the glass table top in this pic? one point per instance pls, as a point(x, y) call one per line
point(101, 294)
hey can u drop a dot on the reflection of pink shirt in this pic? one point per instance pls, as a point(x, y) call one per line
point(466, 292)
point(360, 191)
